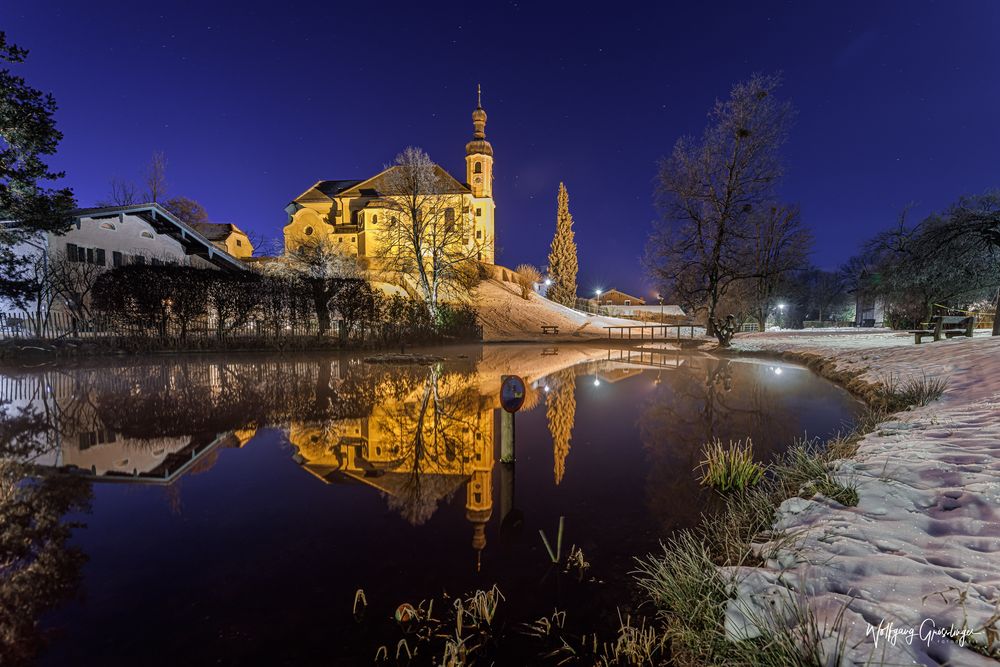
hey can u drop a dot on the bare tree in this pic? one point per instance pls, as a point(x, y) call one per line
point(187, 210)
point(527, 277)
point(778, 247)
point(321, 266)
point(123, 193)
point(711, 189)
point(969, 233)
point(429, 234)
point(823, 293)
point(948, 258)
point(73, 282)
point(37, 291)
point(156, 177)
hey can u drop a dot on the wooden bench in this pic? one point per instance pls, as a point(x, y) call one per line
point(549, 329)
point(947, 326)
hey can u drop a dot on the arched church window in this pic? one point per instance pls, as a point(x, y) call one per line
point(478, 169)
point(308, 231)
point(375, 218)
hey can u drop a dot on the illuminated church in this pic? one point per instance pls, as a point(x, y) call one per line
point(349, 213)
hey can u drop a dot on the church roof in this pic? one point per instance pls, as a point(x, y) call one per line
point(372, 187)
point(326, 190)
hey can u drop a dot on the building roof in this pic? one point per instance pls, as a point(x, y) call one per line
point(618, 291)
point(216, 231)
point(326, 190)
point(165, 222)
point(375, 186)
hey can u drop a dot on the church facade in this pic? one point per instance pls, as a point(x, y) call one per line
point(353, 214)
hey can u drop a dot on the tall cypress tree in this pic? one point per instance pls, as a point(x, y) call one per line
point(562, 255)
point(27, 134)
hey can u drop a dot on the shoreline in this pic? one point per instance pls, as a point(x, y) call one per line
point(923, 544)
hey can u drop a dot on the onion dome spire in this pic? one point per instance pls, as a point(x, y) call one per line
point(479, 143)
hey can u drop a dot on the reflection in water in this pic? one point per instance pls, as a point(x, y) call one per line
point(426, 439)
point(560, 411)
point(37, 568)
point(420, 437)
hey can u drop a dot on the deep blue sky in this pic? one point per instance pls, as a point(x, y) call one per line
point(253, 102)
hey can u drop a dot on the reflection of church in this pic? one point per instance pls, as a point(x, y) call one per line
point(418, 451)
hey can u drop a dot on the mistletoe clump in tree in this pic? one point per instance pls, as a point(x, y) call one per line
point(27, 135)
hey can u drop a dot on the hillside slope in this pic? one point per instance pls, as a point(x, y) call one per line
point(508, 317)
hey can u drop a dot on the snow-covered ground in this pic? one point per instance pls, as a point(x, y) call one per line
point(920, 554)
point(509, 318)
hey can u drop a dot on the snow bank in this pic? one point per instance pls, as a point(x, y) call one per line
point(917, 562)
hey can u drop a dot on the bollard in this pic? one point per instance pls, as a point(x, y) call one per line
point(506, 437)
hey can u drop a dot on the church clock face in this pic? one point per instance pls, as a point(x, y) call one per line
point(478, 179)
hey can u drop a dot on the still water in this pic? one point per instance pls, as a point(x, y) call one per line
point(226, 510)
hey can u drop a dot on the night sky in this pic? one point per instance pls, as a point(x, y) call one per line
point(897, 104)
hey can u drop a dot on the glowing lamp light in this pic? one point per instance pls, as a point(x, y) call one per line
point(597, 383)
point(777, 371)
point(546, 389)
point(548, 281)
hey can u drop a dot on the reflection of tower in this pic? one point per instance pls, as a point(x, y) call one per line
point(560, 410)
point(479, 489)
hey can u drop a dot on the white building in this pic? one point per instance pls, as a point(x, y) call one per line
point(120, 235)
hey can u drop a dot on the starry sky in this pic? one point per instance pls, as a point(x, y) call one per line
point(897, 104)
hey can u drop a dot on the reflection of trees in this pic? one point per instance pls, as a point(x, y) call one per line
point(144, 402)
point(704, 399)
point(37, 567)
point(433, 440)
point(560, 411)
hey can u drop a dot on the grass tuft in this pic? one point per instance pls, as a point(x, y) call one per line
point(729, 467)
point(895, 395)
point(805, 470)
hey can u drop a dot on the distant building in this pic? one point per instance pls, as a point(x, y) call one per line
point(227, 237)
point(120, 235)
point(352, 212)
point(615, 297)
point(869, 304)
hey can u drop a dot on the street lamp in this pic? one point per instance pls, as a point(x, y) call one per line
point(659, 297)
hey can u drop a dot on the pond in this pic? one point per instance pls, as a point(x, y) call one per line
point(226, 510)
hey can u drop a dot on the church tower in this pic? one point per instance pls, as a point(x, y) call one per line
point(479, 176)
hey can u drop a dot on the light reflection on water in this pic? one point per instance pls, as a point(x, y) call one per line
point(239, 486)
